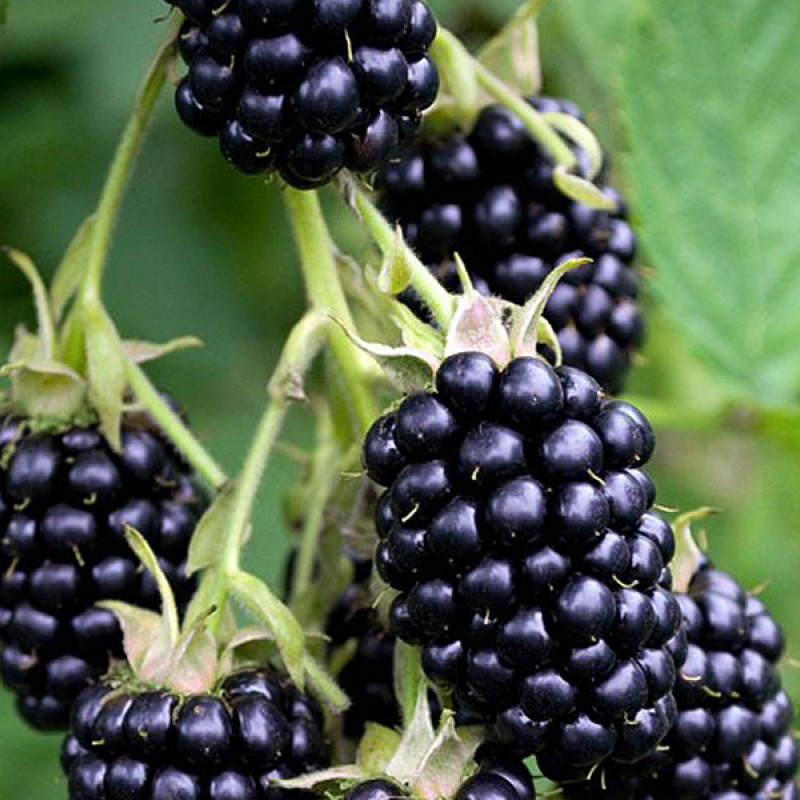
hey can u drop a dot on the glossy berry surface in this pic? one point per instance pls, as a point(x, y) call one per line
point(733, 733)
point(515, 528)
point(306, 88)
point(65, 500)
point(489, 196)
point(228, 746)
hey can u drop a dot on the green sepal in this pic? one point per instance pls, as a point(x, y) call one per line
point(376, 748)
point(688, 556)
point(478, 325)
point(264, 607)
point(209, 537)
point(324, 686)
point(105, 368)
point(450, 759)
point(513, 53)
point(415, 743)
point(69, 273)
point(328, 782)
point(582, 191)
point(144, 637)
point(581, 135)
point(409, 369)
point(459, 95)
point(47, 391)
point(141, 352)
point(525, 329)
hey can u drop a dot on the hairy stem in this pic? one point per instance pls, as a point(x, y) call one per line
point(179, 434)
point(285, 386)
point(438, 300)
point(325, 294)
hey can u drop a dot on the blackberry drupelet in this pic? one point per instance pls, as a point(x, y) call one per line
point(306, 87)
point(65, 500)
point(516, 529)
point(154, 745)
point(489, 196)
point(733, 734)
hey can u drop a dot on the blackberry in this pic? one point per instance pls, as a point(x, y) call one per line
point(223, 746)
point(489, 196)
point(516, 529)
point(306, 88)
point(65, 500)
point(733, 732)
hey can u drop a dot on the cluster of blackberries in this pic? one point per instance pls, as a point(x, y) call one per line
point(306, 87)
point(489, 196)
point(64, 503)
point(516, 529)
point(733, 734)
point(498, 778)
point(158, 746)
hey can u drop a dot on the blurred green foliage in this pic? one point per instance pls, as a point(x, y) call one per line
point(202, 250)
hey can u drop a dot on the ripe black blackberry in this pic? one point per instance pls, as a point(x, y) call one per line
point(65, 500)
point(733, 733)
point(306, 87)
point(224, 746)
point(516, 530)
point(489, 196)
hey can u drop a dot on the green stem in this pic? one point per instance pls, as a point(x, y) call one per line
point(122, 166)
point(325, 294)
point(178, 433)
point(323, 479)
point(285, 386)
point(559, 151)
point(438, 300)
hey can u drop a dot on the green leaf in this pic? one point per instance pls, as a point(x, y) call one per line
point(69, 273)
point(213, 529)
point(106, 371)
point(710, 100)
point(263, 606)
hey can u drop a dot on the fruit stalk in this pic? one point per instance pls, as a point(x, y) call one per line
point(178, 433)
point(540, 130)
point(325, 294)
point(122, 166)
point(438, 300)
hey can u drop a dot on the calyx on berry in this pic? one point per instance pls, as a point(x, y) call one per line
point(72, 368)
point(500, 329)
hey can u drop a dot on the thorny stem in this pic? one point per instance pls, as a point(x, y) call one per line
point(122, 165)
point(438, 300)
point(173, 426)
point(326, 295)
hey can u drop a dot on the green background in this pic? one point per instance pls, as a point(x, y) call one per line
point(203, 250)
